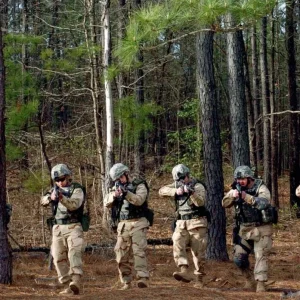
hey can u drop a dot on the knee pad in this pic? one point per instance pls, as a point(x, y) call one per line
point(241, 260)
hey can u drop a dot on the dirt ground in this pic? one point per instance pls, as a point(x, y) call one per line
point(32, 279)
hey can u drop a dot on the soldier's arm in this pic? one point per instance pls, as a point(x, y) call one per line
point(228, 199)
point(139, 197)
point(263, 198)
point(73, 202)
point(198, 197)
point(167, 190)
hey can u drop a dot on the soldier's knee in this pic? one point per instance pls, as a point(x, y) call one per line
point(241, 260)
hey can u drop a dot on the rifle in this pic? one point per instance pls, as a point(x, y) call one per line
point(238, 214)
point(50, 221)
point(116, 209)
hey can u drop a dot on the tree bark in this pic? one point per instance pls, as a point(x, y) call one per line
point(238, 108)
point(266, 103)
point(5, 249)
point(292, 89)
point(274, 140)
point(255, 94)
point(212, 154)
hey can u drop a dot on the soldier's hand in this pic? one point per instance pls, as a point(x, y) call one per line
point(53, 195)
point(118, 193)
point(180, 191)
point(237, 194)
point(188, 189)
point(45, 200)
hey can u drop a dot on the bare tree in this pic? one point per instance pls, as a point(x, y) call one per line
point(106, 45)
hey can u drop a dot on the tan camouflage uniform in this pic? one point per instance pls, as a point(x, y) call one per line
point(193, 231)
point(260, 235)
point(131, 239)
point(67, 240)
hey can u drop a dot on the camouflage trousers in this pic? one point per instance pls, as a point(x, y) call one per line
point(258, 239)
point(66, 249)
point(131, 246)
point(185, 233)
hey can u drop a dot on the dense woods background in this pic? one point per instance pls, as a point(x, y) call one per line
point(206, 83)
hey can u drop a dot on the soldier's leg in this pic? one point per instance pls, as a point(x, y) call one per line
point(180, 239)
point(122, 250)
point(261, 251)
point(198, 238)
point(59, 251)
point(76, 247)
point(241, 260)
point(139, 245)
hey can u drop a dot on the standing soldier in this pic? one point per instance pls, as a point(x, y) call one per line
point(67, 200)
point(254, 217)
point(128, 200)
point(191, 224)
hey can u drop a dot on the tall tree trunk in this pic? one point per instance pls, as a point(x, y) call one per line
point(5, 249)
point(106, 45)
point(274, 141)
point(292, 88)
point(212, 155)
point(238, 108)
point(250, 114)
point(266, 103)
point(24, 162)
point(255, 94)
point(122, 20)
point(139, 149)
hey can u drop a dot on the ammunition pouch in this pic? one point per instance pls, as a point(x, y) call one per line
point(270, 215)
point(250, 214)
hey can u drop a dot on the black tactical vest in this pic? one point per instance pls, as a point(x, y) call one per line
point(129, 211)
point(245, 212)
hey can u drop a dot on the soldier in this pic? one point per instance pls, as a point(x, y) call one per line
point(191, 224)
point(254, 216)
point(67, 201)
point(128, 200)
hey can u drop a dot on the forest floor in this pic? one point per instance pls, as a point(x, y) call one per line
point(32, 279)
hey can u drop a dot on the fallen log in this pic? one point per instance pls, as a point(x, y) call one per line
point(92, 247)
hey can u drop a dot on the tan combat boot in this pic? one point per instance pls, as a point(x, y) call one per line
point(142, 282)
point(260, 287)
point(249, 284)
point(66, 290)
point(75, 284)
point(199, 281)
point(183, 274)
point(126, 286)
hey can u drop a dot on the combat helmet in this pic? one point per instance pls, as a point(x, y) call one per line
point(59, 171)
point(117, 170)
point(243, 172)
point(180, 171)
